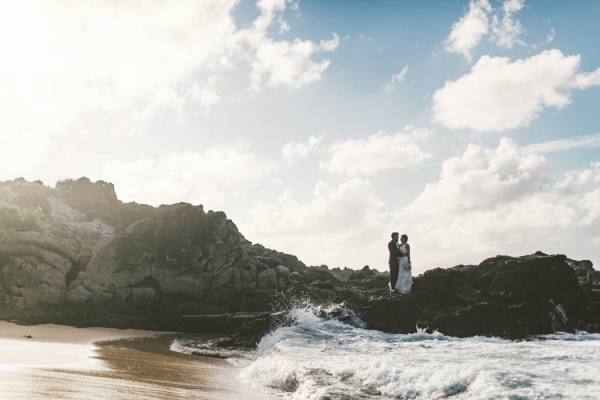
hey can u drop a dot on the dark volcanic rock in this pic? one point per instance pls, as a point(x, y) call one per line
point(511, 297)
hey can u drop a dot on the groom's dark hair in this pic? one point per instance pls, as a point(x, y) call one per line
point(394, 234)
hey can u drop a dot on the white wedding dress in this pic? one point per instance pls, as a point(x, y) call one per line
point(404, 282)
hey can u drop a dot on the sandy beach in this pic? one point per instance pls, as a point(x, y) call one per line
point(61, 362)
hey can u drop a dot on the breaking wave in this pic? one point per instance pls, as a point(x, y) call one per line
point(326, 353)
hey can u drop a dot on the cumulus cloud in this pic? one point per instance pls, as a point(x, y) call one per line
point(280, 62)
point(591, 204)
point(287, 63)
point(578, 178)
point(68, 57)
point(503, 30)
point(268, 9)
point(377, 153)
point(470, 29)
point(296, 150)
point(483, 179)
point(205, 178)
point(68, 71)
point(503, 201)
point(104, 69)
point(586, 80)
point(506, 30)
point(66, 66)
point(338, 226)
point(206, 93)
point(499, 94)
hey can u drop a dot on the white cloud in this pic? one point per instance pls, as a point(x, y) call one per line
point(206, 177)
point(287, 63)
point(501, 201)
point(499, 94)
point(400, 76)
point(470, 29)
point(206, 93)
point(578, 142)
point(68, 71)
point(294, 150)
point(506, 30)
point(578, 178)
point(591, 204)
point(66, 66)
point(377, 153)
point(104, 69)
point(339, 226)
point(482, 179)
point(396, 79)
point(474, 26)
point(268, 9)
point(281, 62)
point(283, 25)
point(550, 37)
point(69, 57)
point(586, 80)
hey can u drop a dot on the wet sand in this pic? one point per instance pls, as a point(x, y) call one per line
point(61, 362)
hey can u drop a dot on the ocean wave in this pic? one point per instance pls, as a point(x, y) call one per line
point(325, 352)
point(316, 358)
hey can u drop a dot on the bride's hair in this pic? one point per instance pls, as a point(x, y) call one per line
point(404, 237)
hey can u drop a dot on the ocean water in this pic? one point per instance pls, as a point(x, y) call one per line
point(316, 358)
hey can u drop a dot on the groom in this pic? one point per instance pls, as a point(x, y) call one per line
point(394, 261)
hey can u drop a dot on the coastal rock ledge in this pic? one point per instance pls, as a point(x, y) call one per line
point(76, 255)
point(510, 297)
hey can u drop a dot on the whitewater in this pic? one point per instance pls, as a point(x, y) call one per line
point(318, 358)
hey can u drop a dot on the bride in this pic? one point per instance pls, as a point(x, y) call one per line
point(404, 282)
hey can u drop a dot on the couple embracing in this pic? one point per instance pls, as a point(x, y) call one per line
point(400, 268)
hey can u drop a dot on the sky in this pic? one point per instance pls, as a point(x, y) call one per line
point(320, 127)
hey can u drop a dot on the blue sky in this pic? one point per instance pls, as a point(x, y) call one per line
point(321, 126)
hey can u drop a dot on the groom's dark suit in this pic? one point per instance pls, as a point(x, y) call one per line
point(394, 262)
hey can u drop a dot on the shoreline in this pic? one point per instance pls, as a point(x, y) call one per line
point(105, 363)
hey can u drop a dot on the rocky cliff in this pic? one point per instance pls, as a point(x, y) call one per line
point(75, 254)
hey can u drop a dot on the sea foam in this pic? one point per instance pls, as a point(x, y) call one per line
point(316, 358)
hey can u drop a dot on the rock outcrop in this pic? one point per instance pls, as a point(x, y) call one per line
point(181, 260)
point(77, 255)
point(512, 297)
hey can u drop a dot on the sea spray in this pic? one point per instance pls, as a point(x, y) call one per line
point(314, 355)
point(325, 357)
